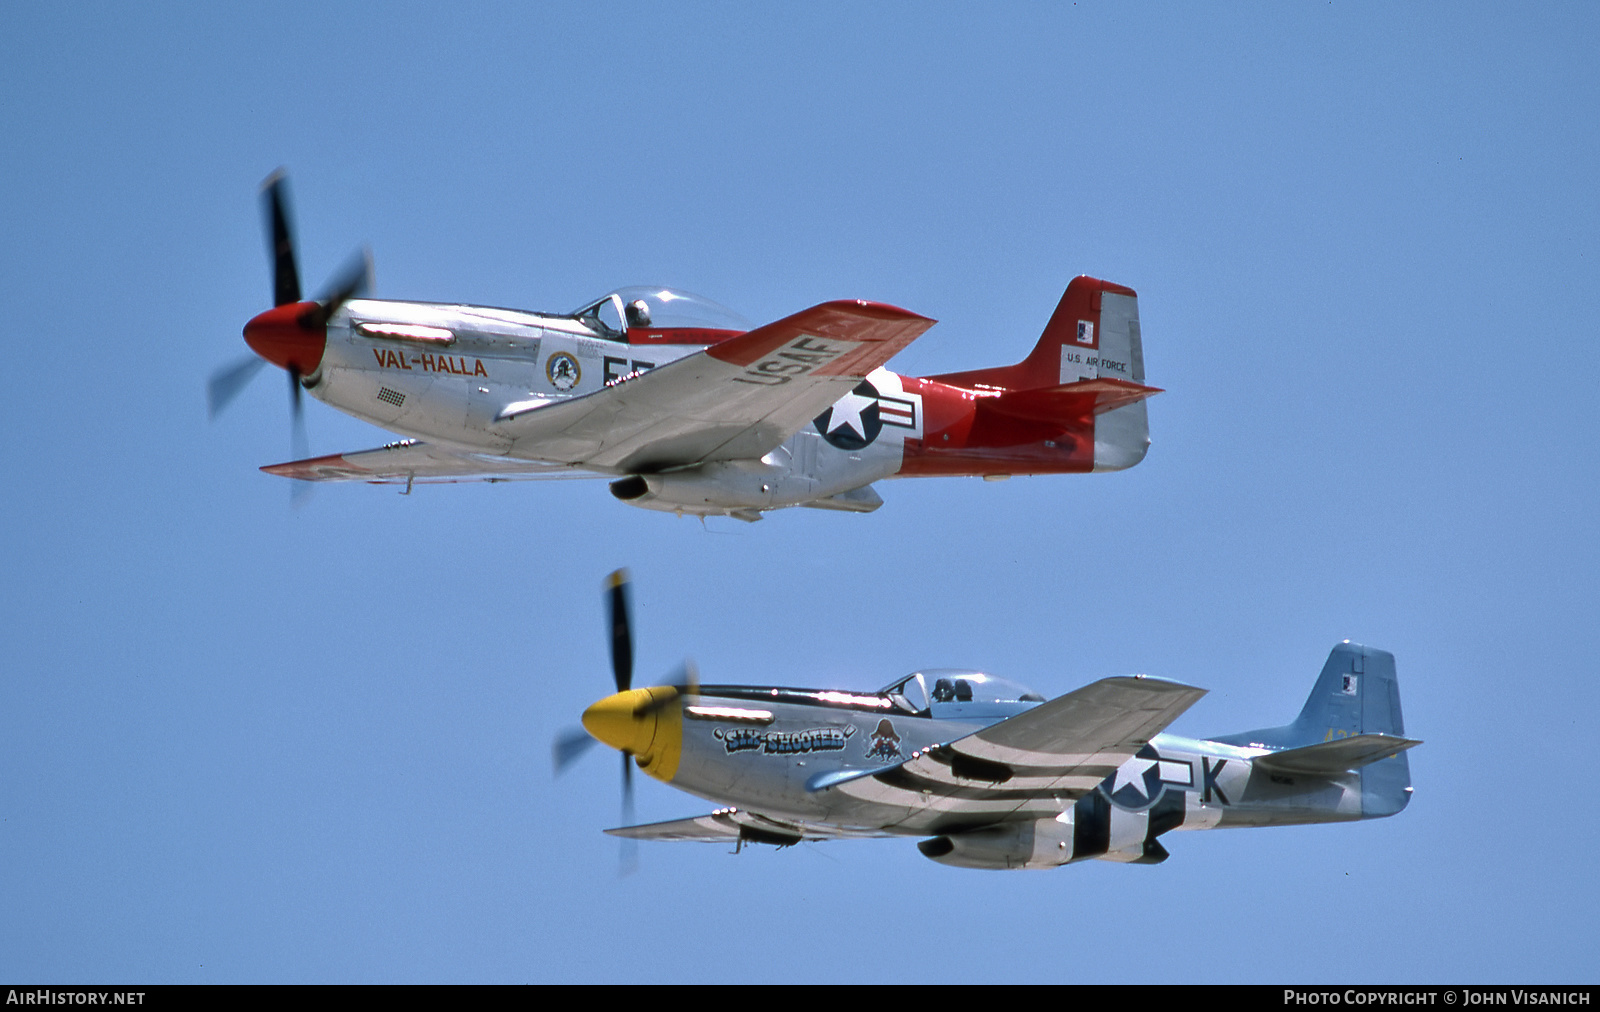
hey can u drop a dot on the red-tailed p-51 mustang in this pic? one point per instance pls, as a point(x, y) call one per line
point(689, 409)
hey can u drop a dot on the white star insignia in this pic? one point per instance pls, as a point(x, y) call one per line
point(1132, 772)
point(847, 413)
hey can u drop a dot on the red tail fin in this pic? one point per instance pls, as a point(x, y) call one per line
point(1073, 346)
point(1089, 363)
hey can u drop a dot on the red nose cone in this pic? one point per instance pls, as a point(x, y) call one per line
point(288, 337)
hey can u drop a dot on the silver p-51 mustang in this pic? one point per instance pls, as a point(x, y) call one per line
point(992, 775)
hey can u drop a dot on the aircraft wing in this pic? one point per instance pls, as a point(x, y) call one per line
point(737, 399)
point(732, 824)
point(424, 463)
point(1034, 764)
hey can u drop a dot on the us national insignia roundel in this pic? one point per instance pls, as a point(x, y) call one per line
point(853, 421)
point(1138, 784)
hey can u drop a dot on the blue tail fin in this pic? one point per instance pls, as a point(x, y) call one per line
point(1357, 693)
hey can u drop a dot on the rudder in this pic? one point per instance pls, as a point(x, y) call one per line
point(1121, 436)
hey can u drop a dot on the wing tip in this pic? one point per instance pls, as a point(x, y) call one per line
point(875, 310)
point(1153, 682)
point(325, 468)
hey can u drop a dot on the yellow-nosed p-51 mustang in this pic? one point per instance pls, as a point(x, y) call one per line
point(992, 775)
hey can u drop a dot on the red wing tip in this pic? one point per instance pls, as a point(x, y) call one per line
point(874, 310)
point(316, 468)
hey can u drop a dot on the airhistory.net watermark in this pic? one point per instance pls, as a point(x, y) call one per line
point(46, 997)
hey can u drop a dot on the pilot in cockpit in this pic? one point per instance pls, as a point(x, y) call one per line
point(957, 691)
point(638, 313)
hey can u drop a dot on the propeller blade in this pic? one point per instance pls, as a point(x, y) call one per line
point(621, 629)
point(685, 678)
point(268, 332)
point(629, 859)
point(299, 446)
point(569, 745)
point(285, 271)
point(226, 383)
point(627, 789)
point(297, 419)
point(352, 281)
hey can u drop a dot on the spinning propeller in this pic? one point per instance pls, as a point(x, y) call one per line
point(294, 333)
point(626, 720)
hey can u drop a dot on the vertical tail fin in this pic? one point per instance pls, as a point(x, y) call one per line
point(1094, 321)
point(1357, 693)
point(1092, 335)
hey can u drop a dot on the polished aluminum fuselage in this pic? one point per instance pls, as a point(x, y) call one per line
point(771, 768)
point(481, 390)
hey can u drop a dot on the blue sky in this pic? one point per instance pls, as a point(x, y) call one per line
point(245, 742)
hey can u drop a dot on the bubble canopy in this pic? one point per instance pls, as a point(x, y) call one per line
point(657, 308)
point(956, 685)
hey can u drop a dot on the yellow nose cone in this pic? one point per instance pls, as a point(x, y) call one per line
point(624, 721)
point(645, 723)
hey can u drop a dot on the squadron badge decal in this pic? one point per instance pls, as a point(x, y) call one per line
point(563, 371)
point(885, 742)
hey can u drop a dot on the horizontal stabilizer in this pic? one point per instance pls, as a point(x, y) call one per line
point(1341, 755)
point(1069, 400)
